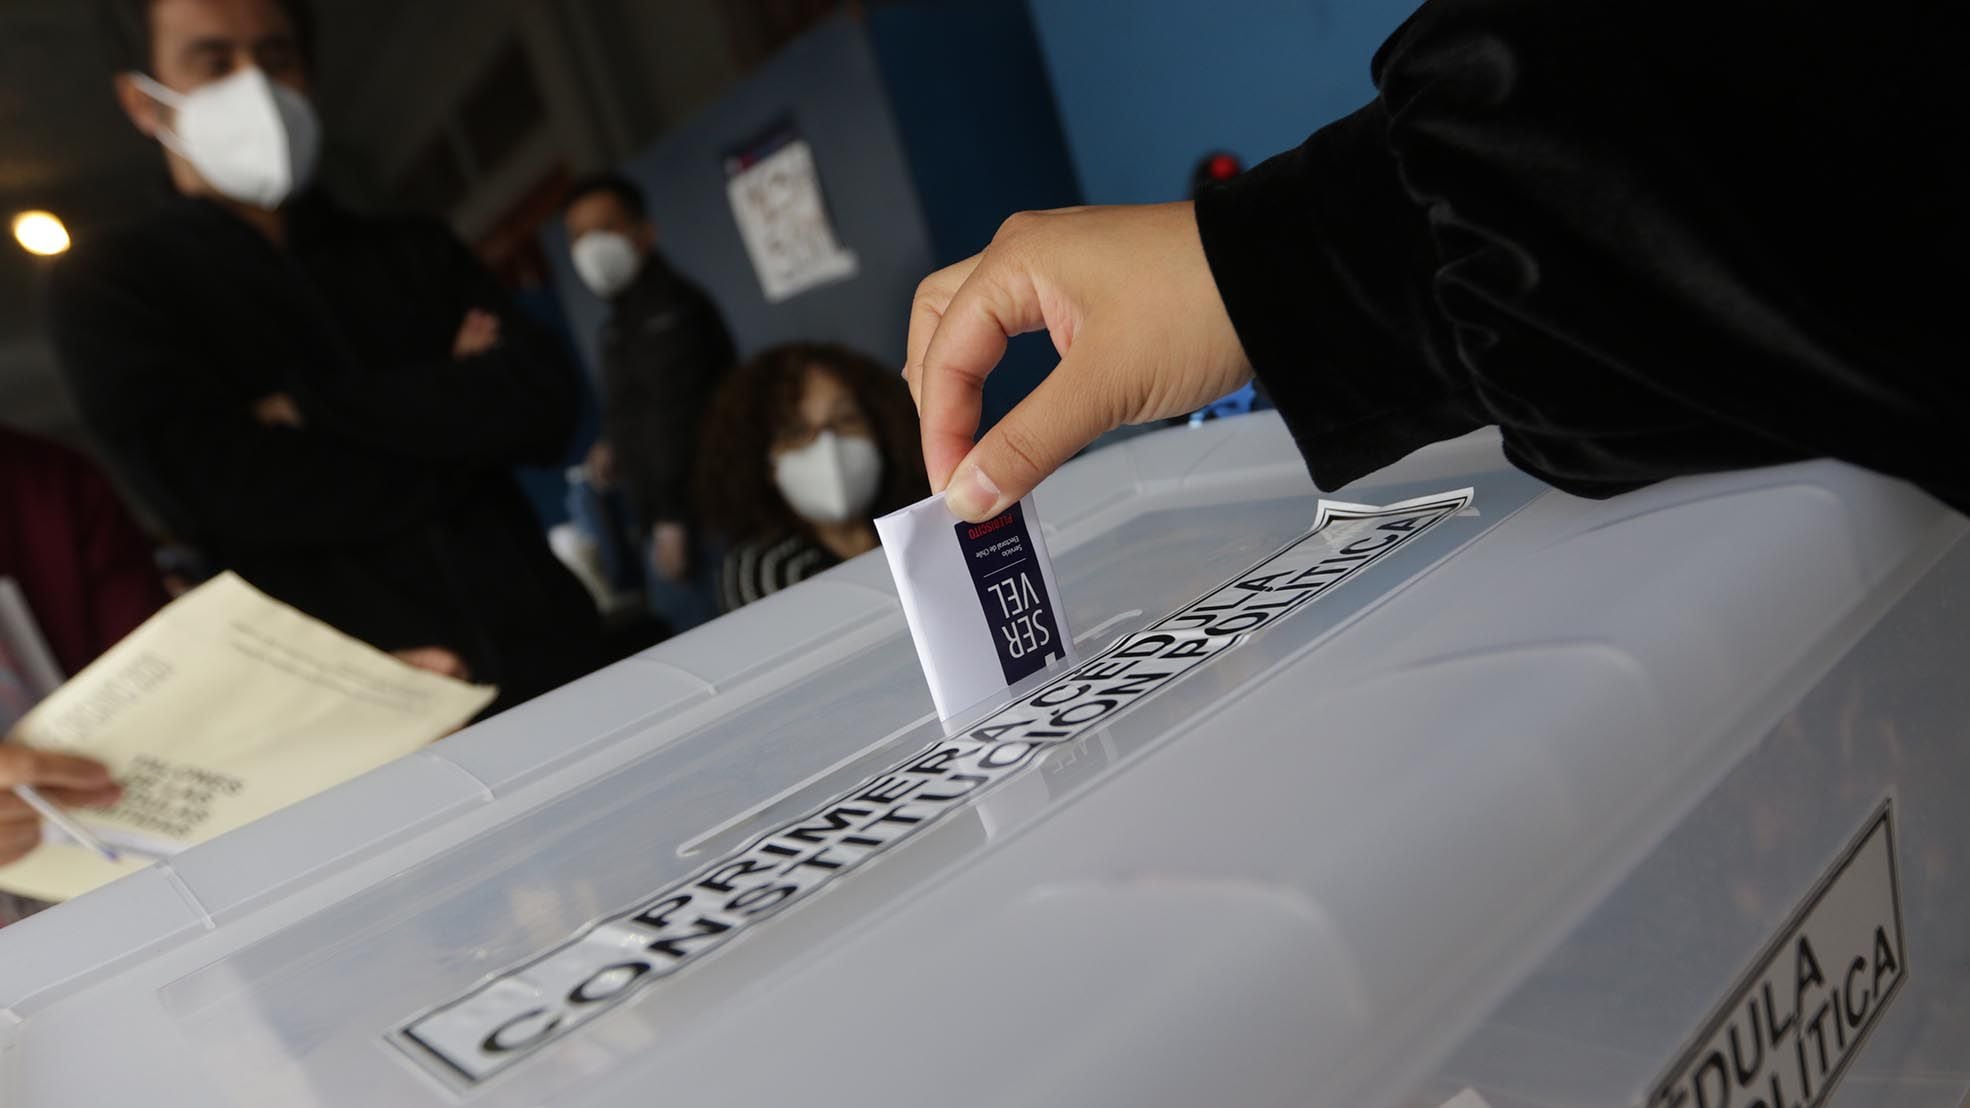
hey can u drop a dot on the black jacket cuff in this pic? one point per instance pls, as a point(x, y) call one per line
point(1323, 263)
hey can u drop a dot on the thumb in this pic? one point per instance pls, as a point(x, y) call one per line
point(1038, 436)
point(20, 765)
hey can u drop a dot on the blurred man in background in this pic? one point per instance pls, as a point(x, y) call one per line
point(664, 350)
point(328, 404)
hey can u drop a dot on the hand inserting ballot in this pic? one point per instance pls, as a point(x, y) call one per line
point(1128, 299)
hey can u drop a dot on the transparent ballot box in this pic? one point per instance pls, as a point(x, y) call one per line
point(1475, 794)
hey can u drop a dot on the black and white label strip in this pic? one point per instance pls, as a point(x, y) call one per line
point(507, 1017)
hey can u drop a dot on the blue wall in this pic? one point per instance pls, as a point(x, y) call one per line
point(1146, 87)
point(970, 97)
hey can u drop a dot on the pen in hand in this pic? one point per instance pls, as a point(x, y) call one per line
point(25, 808)
point(65, 822)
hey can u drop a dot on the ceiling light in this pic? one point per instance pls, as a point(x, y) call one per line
point(40, 233)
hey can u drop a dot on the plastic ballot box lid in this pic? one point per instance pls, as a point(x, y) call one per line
point(1306, 807)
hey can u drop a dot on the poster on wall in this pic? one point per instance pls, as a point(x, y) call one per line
point(775, 192)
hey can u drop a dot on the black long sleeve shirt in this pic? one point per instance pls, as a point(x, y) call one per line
point(664, 350)
point(1645, 239)
point(391, 513)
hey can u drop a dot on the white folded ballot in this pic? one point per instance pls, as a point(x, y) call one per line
point(981, 599)
point(223, 707)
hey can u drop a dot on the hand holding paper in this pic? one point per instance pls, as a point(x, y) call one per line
point(981, 599)
point(1128, 299)
point(222, 708)
point(61, 778)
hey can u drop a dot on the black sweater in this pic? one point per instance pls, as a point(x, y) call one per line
point(1644, 238)
point(392, 513)
point(664, 350)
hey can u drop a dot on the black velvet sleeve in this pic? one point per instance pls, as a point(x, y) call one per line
point(1645, 239)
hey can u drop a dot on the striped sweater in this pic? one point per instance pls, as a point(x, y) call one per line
point(754, 569)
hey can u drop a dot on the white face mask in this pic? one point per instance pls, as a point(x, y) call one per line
point(251, 139)
point(832, 479)
point(606, 261)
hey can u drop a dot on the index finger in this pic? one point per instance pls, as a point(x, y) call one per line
point(926, 311)
point(996, 302)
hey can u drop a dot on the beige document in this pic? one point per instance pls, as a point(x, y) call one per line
point(225, 706)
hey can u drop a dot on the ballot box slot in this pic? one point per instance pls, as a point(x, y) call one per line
point(479, 1034)
point(863, 688)
point(530, 882)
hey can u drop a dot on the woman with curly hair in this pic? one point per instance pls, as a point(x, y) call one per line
point(802, 448)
